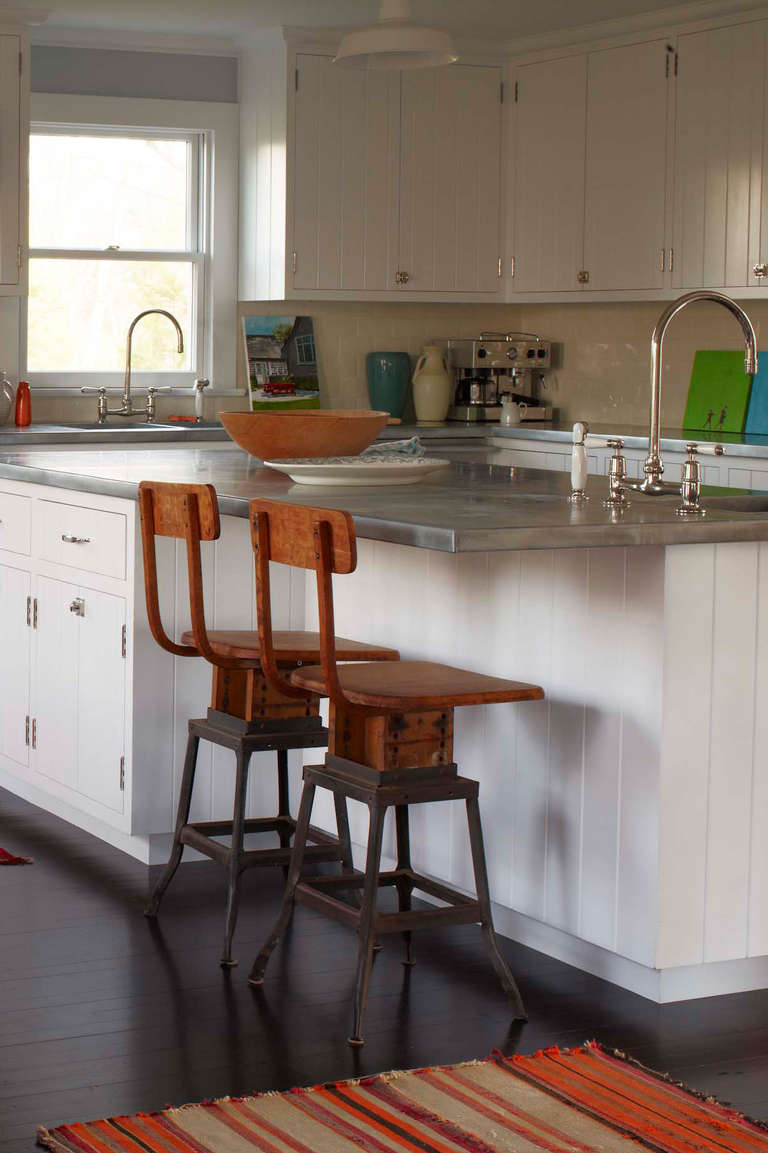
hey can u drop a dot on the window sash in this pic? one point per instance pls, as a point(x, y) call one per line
point(197, 253)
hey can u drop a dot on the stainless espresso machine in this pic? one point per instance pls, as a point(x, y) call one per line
point(496, 363)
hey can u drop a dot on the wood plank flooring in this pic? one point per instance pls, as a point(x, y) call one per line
point(103, 1012)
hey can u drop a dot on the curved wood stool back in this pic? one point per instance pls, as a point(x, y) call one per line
point(390, 747)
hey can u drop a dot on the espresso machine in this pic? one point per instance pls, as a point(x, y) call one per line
point(486, 368)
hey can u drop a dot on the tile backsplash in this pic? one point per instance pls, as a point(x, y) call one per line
point(603, 362)
point(602, 367)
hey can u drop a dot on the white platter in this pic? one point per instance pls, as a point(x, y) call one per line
point(351, 471)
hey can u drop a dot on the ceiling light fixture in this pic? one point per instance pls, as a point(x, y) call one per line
point(395, 43)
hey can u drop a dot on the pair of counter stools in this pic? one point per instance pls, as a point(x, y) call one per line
point(389, 738)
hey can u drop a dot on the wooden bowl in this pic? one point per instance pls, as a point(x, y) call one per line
point(312, 433)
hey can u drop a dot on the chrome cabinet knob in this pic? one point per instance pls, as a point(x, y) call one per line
point(402, 277)
point(760, 271)
point(583, 276)
point(78, 607)
point(69, 539)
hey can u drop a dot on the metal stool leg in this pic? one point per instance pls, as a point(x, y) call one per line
point(508, 982)
point(236, 855)
point(342, 827)
point(283, 800)
point(294, 873)
point(182, 817)
point(367, 926)
point(404, 887)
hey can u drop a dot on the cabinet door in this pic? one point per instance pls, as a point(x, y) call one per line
point(719, 126)
point(450, 173)
point(625, 196)
point(55, 682)
point(345, 176)
point(14, 663)
point(10, 158)
point(549, 175)
point(101, 698)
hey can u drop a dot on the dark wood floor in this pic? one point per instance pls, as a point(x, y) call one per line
point(102, 1012)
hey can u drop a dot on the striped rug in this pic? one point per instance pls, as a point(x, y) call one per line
point(558, 1101)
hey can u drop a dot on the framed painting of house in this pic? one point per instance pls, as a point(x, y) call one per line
point(281, 362)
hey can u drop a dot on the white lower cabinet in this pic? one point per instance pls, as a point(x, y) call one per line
point(78, 718)
point(65, 661)
point(15, 610)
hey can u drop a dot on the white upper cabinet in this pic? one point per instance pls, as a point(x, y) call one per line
point(345, 176)
point(626, 165)
point(548, 193)
point(717, 160)
point(450, 180)
point(12, 165)
point(396, 180)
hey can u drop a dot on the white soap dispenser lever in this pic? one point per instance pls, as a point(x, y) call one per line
point(579, 463)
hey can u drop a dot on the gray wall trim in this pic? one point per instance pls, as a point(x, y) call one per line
point(151, 75)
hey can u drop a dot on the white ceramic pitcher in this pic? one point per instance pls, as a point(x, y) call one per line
point(432, 385)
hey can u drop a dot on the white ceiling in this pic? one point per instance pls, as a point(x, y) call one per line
point(482, 20)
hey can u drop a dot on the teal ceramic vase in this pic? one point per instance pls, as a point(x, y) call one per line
point(388, 375)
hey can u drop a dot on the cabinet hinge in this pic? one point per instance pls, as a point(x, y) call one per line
point(29, 612)
point(34, 733)
point(21, 64)
point(517, 92)
point(511, 268)
point(19, 256)
point(26, 730)
point(677, 62)
point(122, 774)
point(294, 262)
point(670, 55)
point(296, 80)
point(501, 92)
point(501, 268)
point(123, 641)
point(34, 613)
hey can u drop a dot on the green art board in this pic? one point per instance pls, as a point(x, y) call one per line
point(718, 395)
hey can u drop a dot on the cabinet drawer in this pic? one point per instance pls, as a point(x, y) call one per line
point(83, 538)
point(15, 523)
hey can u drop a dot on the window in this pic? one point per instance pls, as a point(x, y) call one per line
point(305, 349)
point(118, 224)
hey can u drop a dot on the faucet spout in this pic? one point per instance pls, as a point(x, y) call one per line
point(127, 403)
point(653, 467)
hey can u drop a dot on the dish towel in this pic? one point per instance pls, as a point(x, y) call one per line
point(394, 449)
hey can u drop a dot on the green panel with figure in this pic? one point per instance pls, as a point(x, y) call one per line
point(718, 395)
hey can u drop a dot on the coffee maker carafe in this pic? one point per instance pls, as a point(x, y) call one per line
point(485, 369)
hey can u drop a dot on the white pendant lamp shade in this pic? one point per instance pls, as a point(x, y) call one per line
point(395, 43)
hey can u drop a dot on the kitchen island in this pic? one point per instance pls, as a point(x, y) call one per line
point(626, 817)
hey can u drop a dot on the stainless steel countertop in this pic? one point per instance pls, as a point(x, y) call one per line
point(635, 436)
point(477, 506)
point(129, 433)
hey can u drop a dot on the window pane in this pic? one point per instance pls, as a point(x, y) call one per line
point(80, 312)
point(95, 191)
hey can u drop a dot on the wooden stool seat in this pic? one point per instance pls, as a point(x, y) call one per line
point(408, 686)
point(291, 648)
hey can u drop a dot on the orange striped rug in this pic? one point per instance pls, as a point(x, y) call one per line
point(558, 1101)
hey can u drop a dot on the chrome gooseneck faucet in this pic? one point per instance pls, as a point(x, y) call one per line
point(653, 468)
point(127, 409)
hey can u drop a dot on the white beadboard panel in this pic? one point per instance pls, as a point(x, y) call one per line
point(533, 662)
point(566, 737)
point(638, 802)
point(731, 751)
point(758, 889)
point(688, 638)
point(604, 661)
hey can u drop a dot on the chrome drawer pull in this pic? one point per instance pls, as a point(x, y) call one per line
point(65, 536)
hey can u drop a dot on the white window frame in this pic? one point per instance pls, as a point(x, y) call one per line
point(214, 128)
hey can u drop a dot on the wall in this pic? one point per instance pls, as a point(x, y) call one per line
point(603, 366)
point(153, 75)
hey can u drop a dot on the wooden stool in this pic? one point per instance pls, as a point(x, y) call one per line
point(246, 715)
point(390, 745)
